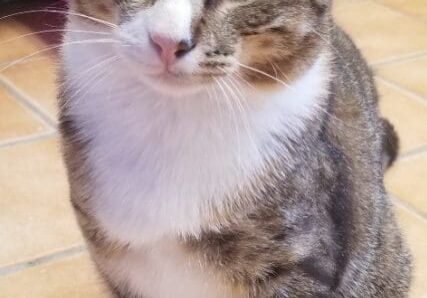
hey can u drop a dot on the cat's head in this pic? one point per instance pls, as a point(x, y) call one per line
point(181, 44)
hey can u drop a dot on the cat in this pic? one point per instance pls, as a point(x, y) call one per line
point(227, 148)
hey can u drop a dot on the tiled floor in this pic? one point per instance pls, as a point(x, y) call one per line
point(41, 251)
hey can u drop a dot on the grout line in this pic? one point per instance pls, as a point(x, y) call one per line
point(7, 270)
point(401, 58)
point(413, 153)
point(28, 102)
point(404, 90)
point(6, 63)
point(28, 139)
point(408, 207)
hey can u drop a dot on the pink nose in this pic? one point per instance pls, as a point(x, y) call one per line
point(169, 50)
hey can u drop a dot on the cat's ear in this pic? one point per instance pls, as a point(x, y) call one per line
point(321, 6)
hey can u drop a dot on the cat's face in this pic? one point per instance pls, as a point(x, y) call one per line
point(175, 44)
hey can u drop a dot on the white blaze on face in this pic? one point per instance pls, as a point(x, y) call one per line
point(167, 19)
point(171, 19)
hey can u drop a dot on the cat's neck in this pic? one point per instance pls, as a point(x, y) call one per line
point(169, 159)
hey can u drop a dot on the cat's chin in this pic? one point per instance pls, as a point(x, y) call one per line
point(175, 86)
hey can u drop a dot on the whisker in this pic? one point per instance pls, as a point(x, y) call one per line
point(224, 93)
point(98, 79)
point(50, 31)
point(212, 95)
point(235, 84)
point(282, 73)
point(233, 116)
point(103, 62)
point(235, 95)
point(92, 84)
point(238, 76)
point(274, 68)
point(343, 123)
point(89, 64)
point(111, 25)
point(264, 73)
point(245, 117)
point(241, 78)
point(93, 41)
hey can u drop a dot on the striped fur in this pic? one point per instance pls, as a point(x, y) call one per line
point(180, 196)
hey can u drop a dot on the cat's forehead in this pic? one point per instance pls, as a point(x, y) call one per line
point(243, 14)
point(260, 6)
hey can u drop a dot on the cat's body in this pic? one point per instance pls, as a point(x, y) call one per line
point(281, 195)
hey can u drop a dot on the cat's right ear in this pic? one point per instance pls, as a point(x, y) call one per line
point(321, 6)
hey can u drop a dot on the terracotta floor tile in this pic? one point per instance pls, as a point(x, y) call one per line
point(11, 50)
point(72, 277)
point(407, 114)
point(37, 78)
point(414, 229)
point(381, 33)
point(416, 8)
point(411, 74)
point(15, 120)
point(407, 179)
point(36, 217)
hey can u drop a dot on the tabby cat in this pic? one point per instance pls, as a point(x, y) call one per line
point(227, 148)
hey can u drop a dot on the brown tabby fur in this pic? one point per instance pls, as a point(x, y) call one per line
point(319, 224)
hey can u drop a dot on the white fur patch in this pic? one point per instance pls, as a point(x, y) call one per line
point(159, 162)
point(171, 19)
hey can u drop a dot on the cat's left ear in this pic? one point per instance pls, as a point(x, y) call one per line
point(321, 6)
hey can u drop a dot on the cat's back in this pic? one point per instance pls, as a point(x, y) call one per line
point(376, 253)
point(353, 76)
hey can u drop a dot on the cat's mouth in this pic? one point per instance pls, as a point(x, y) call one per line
point(172, 78)
point(174, 84)
point(182, 80)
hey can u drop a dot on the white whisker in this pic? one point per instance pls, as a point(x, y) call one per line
point(98, 79)
point(50, 31)
point(241, 78)
point(88, 71)
point(94, 41)
point(233, 116)
point(214, 97)
point(111, 25)
point(239, 96)
point(263, 73)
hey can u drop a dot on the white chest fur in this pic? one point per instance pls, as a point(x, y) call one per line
point(159, 164)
